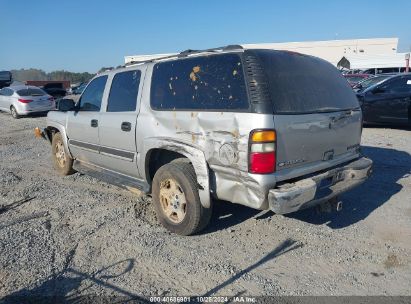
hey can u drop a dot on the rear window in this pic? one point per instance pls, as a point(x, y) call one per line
point(212, 82)
point(123, 92)
point(305, 84)
point(31, 92)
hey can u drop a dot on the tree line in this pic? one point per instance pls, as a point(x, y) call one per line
point(37, 74)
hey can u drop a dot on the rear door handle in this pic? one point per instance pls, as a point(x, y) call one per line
point(126, 126)
point(94, 123)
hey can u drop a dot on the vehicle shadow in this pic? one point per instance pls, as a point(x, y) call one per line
point(226, 215)
point(71, 285)
point(389, 167)
point(387, 126)
point(284, 247)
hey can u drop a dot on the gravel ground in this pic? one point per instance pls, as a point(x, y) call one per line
point(74, 235)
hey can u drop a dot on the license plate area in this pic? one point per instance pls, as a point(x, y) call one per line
point(323, 188)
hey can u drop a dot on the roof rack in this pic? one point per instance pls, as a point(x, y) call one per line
point(188, 52)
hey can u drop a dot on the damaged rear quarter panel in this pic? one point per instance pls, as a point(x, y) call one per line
point(222, 138)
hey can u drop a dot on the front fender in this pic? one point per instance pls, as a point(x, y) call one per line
point(195, 156)
point(62, 130)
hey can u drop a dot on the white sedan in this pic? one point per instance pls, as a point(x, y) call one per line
point(24, 100)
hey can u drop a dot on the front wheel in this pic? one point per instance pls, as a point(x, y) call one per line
point(176, 200)
point(62, 162)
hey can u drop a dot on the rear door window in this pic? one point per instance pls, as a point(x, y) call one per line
point(93, 95)
point(124, 91)
point(6, 92)
point(300, 84)
point(214, 82)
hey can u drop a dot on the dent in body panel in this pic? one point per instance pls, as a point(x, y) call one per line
point(222, 139)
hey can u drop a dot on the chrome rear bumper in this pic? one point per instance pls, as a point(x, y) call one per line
point(319, 188)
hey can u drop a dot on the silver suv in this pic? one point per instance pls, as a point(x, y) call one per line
point(267, 129)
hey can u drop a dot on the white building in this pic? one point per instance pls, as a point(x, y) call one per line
point(331, 50)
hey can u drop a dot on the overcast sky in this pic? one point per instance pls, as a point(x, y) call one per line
point(82, 36)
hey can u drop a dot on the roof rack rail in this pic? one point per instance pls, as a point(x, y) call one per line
point(189, 52)
point(222, 48)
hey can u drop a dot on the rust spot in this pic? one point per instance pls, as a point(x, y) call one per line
point(193, 76)
point(196, 69)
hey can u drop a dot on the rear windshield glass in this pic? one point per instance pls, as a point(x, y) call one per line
point(31, 92)
point(305, 84)
point(5, 76)
point(200, 83)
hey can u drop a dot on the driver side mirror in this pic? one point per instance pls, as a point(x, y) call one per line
point(66, 104)
point(378, 91)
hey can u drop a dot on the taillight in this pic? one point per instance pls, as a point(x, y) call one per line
point(25, 100)
point(262, 151)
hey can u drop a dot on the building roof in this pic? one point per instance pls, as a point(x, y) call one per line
point(331, 50)
point(363, 62)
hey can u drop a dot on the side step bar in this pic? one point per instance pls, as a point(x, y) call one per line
point(111, 177)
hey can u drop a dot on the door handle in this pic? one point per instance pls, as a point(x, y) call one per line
point(94, 123)
point(126, 126)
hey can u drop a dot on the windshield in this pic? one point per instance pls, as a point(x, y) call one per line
point(31, 92)
point(303, 84)
point(361, 86)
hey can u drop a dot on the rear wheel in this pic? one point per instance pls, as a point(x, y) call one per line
point(62, 162)
point(176, 199)
point(14, 113)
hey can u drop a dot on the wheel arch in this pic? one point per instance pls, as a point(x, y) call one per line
point(171, 150)
point(55, 127)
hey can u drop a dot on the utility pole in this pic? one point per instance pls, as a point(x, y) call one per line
point(407, 63)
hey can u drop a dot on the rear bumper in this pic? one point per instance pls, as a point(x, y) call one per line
point(320, 188)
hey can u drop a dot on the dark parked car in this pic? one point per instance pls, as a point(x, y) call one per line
point(5, 79)
point(353, 79)
point(388, 102)
point(368, 82)
point(55, 89)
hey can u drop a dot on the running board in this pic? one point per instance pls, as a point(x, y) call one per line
point(111, 177)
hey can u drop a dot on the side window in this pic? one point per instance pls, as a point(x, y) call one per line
point(124, 91)
point(6, 92)
point(201, 83)
point(399, 85)
point(93, 94)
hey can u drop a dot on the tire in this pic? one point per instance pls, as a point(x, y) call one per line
point(62, 162)
point(183, 215)
point(14, 113)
